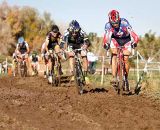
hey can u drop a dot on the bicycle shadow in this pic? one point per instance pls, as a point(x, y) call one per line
point(134, 92)
point(96, 90)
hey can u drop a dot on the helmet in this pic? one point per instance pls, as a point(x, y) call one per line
point(34, 53)
point(114, 17)
point(55, 29)
point(20, 40)
point(74, 26)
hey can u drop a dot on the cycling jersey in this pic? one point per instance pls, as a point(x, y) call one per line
point(122, 35)
point(34, 58)
point(52, 41)
point(23, 49)
point(75, 41)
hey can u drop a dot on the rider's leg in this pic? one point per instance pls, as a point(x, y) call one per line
point(38, 66)
point(126, 60)
point(57, 50)
point(114, 63)
point(114, 44)
point(50, 66)
point(84, 61)
point(71, 62)
point(85, 65)
point(127, 51)
point(46, 66)
point(31, 66)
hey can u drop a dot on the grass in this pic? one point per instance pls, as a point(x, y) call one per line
point(150, 82)
point(3, 58)
point(151, 85)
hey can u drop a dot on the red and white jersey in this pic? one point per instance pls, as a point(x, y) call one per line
point(124, 30)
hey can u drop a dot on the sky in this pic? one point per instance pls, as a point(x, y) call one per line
point(143, 15)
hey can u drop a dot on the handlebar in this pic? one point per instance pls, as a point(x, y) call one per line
point(75, 50)
point(21, 55)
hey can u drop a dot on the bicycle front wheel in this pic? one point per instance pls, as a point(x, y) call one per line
point(79, 78)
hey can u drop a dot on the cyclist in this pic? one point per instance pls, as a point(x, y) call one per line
point(44, 57)
point(34, 58)
point(22, 48)
point(118, 32)
point(75, 38)
point(52, 43)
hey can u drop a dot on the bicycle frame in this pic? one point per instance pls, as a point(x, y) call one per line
point(55, 68)
point(22, 64)
point(122, 80)
point(78, 73)
point(35, 68)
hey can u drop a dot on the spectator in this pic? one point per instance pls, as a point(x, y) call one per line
point(91, 62)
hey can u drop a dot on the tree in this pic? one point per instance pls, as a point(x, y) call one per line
point(22, 21)
point(149, 45)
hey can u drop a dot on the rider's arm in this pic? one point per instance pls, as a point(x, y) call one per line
point(107, 35)
point(134, 36)
point(46, 43)
point(17, 49)
point(86, 39)
point(64, 40)
point(27, 46)
point(43, 48)
point(59, 38)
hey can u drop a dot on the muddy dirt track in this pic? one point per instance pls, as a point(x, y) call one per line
point(32, 104)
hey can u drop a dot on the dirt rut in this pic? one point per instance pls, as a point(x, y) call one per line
point(32, 104)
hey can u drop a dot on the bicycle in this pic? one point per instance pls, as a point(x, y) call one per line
point(22, 65)
point(122, 83)
point(78, 73)
point(55, 68)
point(35, 68)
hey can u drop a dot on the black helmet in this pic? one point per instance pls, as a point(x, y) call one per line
point(74, 26)
point(55, 29)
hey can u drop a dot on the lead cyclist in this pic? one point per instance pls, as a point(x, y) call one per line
point(118, 32)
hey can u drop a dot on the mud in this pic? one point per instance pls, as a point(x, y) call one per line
point(32, 104)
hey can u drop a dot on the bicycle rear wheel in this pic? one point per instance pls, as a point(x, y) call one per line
point(22, 69)
point(56, 76)
point(120, 78)
point(53, 79)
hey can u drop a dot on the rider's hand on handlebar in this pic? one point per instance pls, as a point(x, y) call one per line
point(84, 46)
point(106, 46)
point(133, 45)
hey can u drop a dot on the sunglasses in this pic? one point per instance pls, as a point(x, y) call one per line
point(74, 30)
point(115, 23)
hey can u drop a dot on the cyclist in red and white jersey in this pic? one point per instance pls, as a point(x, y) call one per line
point(118, 32)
